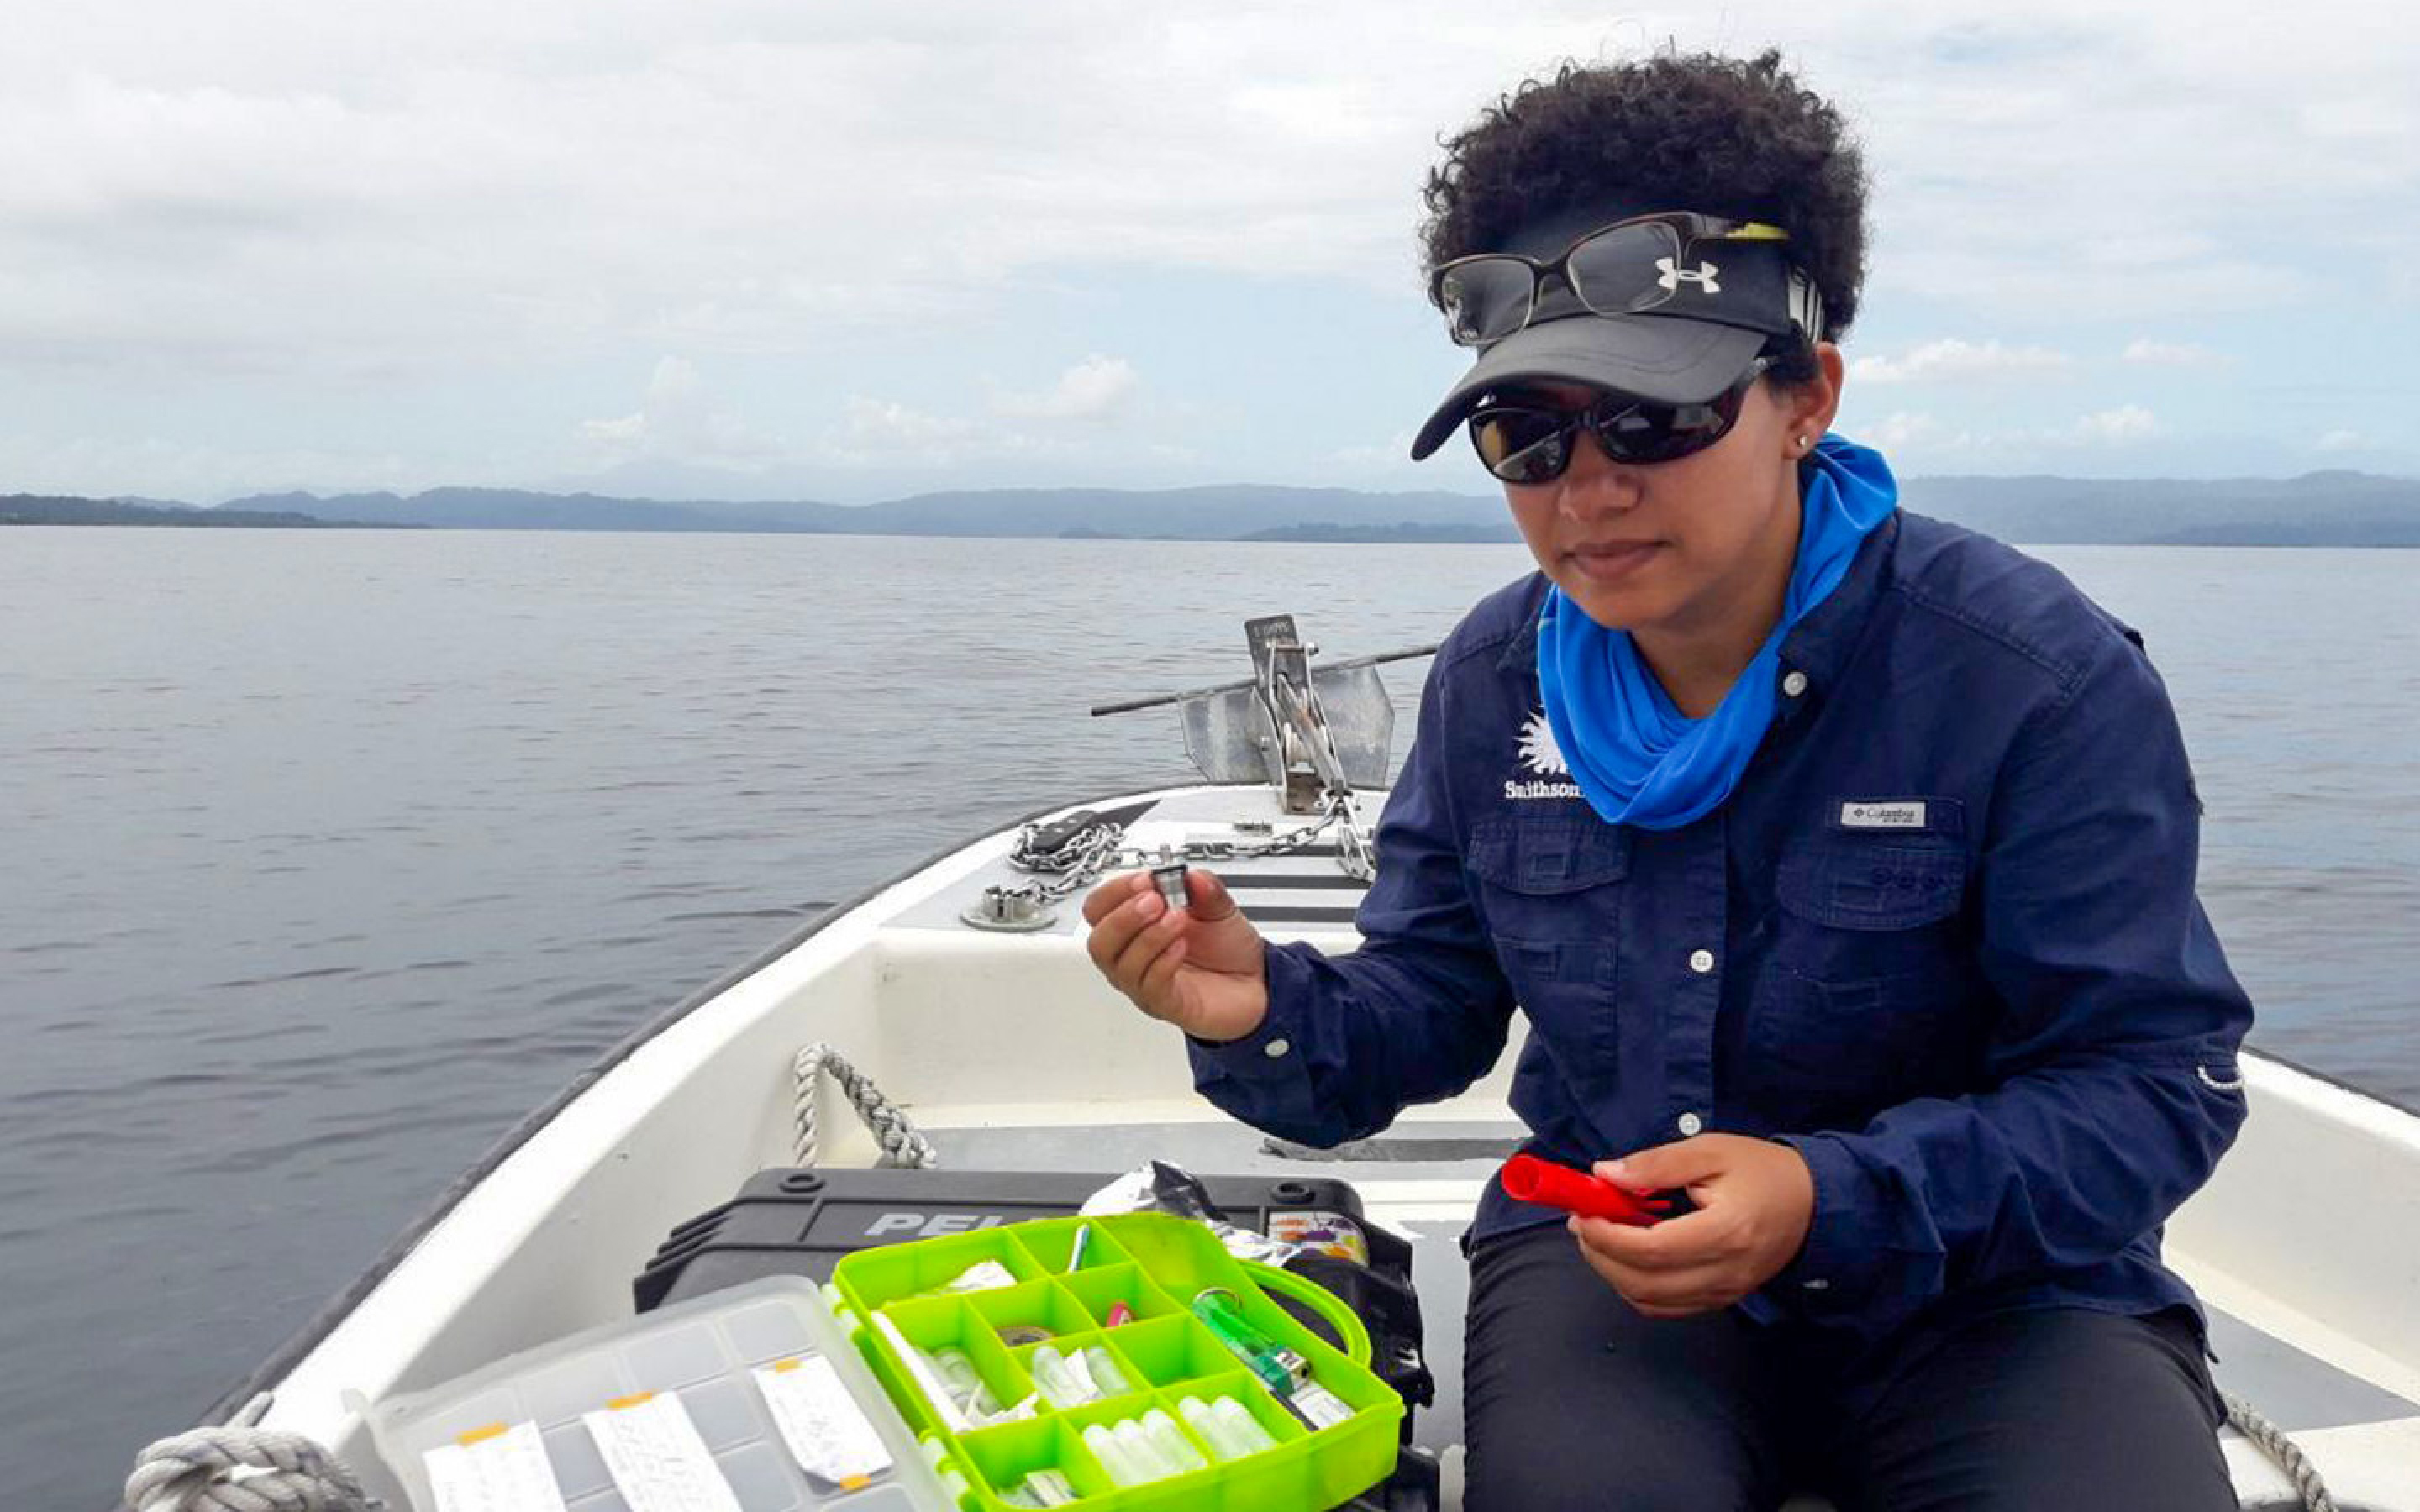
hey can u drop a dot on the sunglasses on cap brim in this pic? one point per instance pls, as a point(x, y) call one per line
point(1522, 440)
point(1628, 267)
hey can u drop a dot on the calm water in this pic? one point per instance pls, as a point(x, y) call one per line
point(329, 855)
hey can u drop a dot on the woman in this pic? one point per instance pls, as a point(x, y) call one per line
point(1843, 861)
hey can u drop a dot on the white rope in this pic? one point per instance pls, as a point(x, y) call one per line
point(2288, 1455)
point(203, 1470)
point(902, 1145)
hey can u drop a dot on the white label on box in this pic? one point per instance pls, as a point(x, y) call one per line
point(659, 1463)
point(494, 1469)
point(827, 1434)
point(1324, 1407)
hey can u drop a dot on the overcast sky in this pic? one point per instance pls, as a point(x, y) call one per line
point(804, 249)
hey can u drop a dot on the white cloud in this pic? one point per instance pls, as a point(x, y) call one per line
point(1398, 445)
point(1952, 360)
point(332, 204)
point(2370, 120)
point(674, 423)
point(883, 424)
point(669, 390)
point(1093, 389)
point(2114, 428)
point(1907, 430)
point(2078, 290)
point(2157, 247)
point(1922, 439)
point(404, 185)
point(2342, 440)
point(676, 435)
point(1390, 463)
point(886, 434)
point(2170, 354)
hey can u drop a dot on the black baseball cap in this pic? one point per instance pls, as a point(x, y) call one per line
point(1728, 299)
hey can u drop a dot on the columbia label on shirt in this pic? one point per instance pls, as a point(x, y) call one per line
point(1907, 814)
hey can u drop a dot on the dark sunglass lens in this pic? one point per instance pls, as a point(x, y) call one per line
point(1521, 445)
point(1659, 432)
point(1486, 299)
point(1644, 432)
point(1616, 272)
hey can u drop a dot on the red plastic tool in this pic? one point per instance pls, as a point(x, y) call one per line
point(1527, 1179)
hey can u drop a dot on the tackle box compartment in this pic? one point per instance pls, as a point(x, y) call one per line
point(703, 1351)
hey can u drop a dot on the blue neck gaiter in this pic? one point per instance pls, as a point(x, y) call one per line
point(1636, 756)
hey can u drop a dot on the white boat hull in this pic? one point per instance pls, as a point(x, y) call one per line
point(2308, 1239)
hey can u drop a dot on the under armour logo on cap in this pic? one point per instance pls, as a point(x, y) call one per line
point(1674, 277)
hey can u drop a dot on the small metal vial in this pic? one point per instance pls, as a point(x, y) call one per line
point(1169, 880)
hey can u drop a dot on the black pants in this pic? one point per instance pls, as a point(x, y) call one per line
point(1572, 1400)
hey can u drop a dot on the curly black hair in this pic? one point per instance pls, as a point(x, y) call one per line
point(1728, 136)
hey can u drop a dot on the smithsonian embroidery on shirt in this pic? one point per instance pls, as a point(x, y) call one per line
point(1543, 760)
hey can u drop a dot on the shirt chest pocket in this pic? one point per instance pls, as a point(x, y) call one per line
point(1870, 884)
point(1553, 889)
point(1862, 1001)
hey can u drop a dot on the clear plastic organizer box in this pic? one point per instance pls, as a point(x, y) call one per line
point(704, 1349)
point(1155, 1265)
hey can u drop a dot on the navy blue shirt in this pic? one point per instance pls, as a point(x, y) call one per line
point(1943, 940)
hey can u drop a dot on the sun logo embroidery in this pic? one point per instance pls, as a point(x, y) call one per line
point(1539, 753)
point(1546, 775)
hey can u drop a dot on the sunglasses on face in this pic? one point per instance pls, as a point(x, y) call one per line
point(1621, 269)
point(1521, 441)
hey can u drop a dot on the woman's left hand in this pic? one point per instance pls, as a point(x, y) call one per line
point(1755, 1199)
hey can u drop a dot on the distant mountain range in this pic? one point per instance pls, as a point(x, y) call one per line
point(2317, 509)
point(53, 509)
point(1221, 513)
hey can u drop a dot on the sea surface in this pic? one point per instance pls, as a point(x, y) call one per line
point(328, 855)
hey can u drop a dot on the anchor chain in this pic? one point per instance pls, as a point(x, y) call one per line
point(1097, 850)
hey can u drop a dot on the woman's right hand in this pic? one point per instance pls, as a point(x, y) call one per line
point(1200, 967)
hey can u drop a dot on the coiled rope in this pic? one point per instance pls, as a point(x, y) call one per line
point(902, 1143)
point(239, 1467)
point(2289, 1456)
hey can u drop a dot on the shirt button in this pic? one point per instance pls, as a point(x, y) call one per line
point(1702, 961)
point(1689, 1123)
point(1819, 1284)
point(1275, 1048)
point(1795, 683)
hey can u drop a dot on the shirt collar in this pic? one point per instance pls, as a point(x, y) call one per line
point(1821, 642)
point(1520, 653)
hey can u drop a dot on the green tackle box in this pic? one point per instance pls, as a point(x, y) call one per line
point(1155, 1265)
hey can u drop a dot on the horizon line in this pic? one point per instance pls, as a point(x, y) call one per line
point(318, 493)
